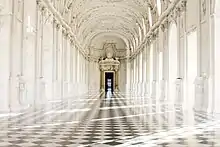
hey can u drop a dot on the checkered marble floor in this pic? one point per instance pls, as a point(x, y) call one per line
point(105, 120)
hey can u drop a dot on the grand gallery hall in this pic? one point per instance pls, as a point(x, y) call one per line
point(104, 73)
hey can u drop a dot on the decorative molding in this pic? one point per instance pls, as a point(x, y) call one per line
point(60, 21)
point(109, 64)
point(191, 29)
point(174, 10)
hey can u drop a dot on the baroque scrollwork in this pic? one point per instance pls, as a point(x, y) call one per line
point(110, 63)
point(70, 19)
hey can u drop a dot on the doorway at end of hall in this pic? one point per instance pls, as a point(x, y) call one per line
point(109, 81)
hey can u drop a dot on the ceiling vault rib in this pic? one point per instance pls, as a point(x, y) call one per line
point(135, 22)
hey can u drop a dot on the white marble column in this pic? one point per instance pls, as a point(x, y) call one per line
point(40, 95)
point(87, 75)
point(81, 74)
point(180, 67)
point(144, 70)
point(65, 65)
point(71, 68)
point(135, 74)
point(16, 84)
point(166, 63)
point(77, 70)
point(199, 80)
point(29, 51)
point(68, 67)
point(140, 73)
point(58, 62)
point(131, 74)
point(54, 61)
point(5, 41)
point(47, 59)
point(148, 70)
point(155, 69)
point(74, 69)
point(128, 76)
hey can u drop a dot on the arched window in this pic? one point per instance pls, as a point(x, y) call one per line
point(144, 26)
point(159, 6)
point(150, 17)
point(140, 33)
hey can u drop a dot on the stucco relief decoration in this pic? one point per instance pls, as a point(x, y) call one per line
point(212, 4)
point(110, 63)
point(19, 9)
point(82, 18)
point(204, 7)
point(21, 89)
point(109, 49)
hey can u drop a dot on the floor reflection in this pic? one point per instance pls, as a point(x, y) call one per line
point(108, 94)
point(107, 119)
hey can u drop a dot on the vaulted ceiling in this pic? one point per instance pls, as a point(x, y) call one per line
point(128, 20)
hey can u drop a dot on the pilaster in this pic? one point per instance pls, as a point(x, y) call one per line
point(5, 41)
point(16, 80)
point(216, 34)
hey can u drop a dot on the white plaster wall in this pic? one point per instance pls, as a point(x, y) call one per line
point(192, 13)
point(94, 76)
point(122, 77)
point(4, 54)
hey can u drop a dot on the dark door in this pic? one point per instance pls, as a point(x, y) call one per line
point(109, 81)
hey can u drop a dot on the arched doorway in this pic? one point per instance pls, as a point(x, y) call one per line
point(172, 61)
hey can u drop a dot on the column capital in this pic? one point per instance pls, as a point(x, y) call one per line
point(58, 26)
point(182, 5)
point(64, 31)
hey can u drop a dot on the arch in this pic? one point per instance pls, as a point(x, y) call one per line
point(159, 6)
point(150, 17)
point(172, 54)
point(90, 38)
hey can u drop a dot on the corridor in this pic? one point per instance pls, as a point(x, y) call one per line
point(119, 120)
point(158, 61)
